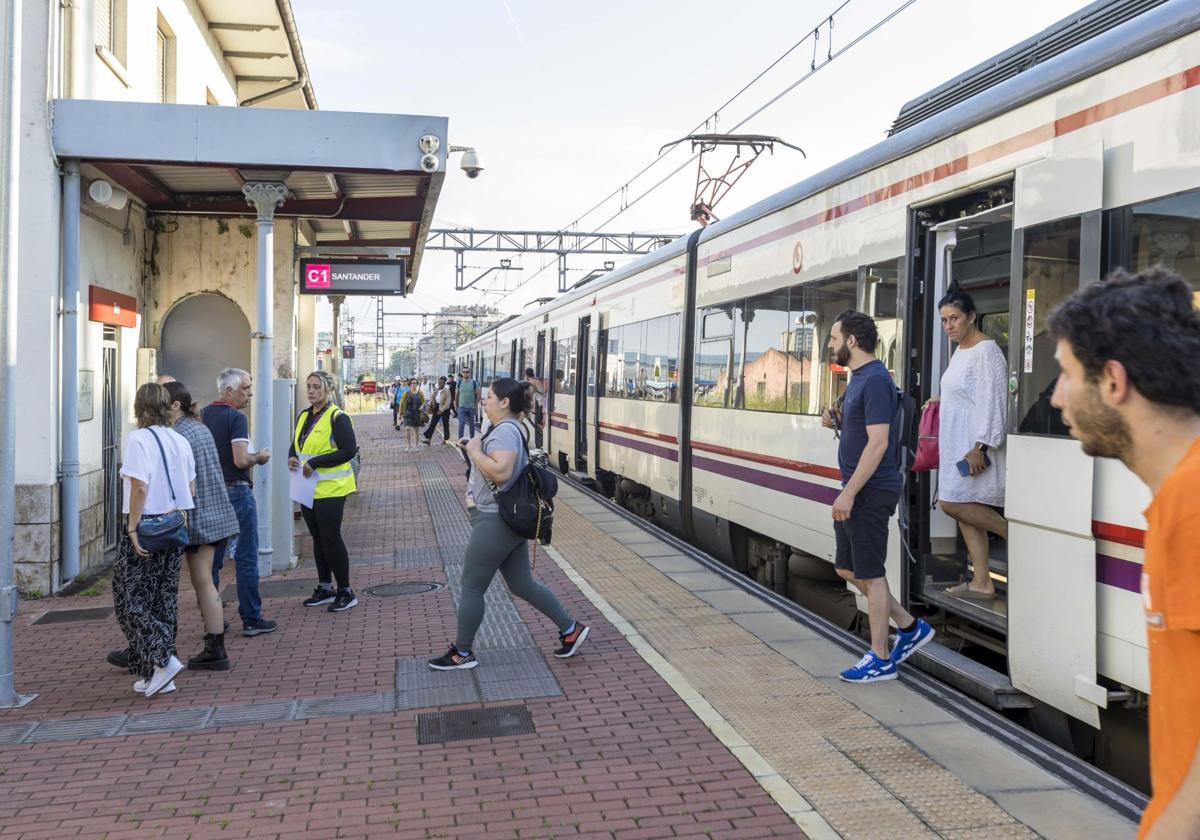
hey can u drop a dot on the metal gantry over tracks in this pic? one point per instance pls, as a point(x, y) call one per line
point(559, 242)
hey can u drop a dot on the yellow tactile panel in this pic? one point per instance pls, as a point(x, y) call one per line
point(866, 781)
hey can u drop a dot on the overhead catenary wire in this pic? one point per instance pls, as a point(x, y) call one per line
point(832, 56)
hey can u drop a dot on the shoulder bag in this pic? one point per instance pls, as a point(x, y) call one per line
point(163, 531)
point(527, 506)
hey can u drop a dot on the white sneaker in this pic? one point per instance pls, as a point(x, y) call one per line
point(140, 687)
point(163, 675)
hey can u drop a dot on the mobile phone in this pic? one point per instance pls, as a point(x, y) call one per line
point(965, 469)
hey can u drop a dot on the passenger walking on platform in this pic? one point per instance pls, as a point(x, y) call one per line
point(439, 410)
point(538, 413)
point(410, 414)
point(158, 471)
point(1130, 389)
point(210, 526)
point(324, 441)
point(468, 400)
point(395, 392)
point(871, 485)
point(231, 433)
point(974, 401)
point(500, 459)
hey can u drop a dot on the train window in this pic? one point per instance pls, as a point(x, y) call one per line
point(1050, 272)
point(718, 356)
point(612, 340)
point(767, 366)
point(821, 302)
point(1166, 232)
point(634, 338)
point(562, 354)
point(660, 358)
point(881, 297)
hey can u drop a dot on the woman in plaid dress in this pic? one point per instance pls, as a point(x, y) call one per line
point(211, 524)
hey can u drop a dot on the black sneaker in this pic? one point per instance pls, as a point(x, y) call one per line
point(343, 601)
point(571, 641)
point(320, 597)
point(119, 658)
point(258, 626)
point(452, 660)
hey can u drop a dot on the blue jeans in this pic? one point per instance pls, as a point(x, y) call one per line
point(241, 496)
point(465, 416)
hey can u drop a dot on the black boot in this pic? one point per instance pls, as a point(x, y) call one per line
point(213, 657)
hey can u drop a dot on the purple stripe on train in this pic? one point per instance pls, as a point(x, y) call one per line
point(641, 446)
point(784, 484)
point(1122, 574)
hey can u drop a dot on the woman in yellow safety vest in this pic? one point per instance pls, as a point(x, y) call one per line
point(324, 441)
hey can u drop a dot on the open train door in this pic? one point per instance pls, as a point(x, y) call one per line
point(1051, 550)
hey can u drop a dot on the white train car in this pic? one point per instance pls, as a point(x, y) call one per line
point(689, 384)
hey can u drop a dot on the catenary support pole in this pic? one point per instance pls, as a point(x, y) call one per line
point(10, 172)
point(69, 406)
point(265, 197)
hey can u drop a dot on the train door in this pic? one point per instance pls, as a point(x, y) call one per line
point(1052, 566)
point(584, 382)
point(965, 241)
point(551, 386)
point(539, 360)
point(512, 361)
point(519, 371)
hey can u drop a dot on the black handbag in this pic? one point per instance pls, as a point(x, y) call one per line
point(527, 506)
point(164, 531)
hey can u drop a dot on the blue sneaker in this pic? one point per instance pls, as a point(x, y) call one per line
point(909, 643)
point(870, 669)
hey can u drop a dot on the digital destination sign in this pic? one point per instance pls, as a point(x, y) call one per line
point(353, 277)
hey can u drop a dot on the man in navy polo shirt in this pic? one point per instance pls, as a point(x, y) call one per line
point(231, 433)
point(862, 512)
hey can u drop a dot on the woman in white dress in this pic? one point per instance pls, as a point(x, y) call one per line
point(972, 429)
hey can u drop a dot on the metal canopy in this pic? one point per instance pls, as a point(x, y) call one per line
point(355, 178)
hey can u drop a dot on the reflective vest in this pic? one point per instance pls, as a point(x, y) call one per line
point(334, 481)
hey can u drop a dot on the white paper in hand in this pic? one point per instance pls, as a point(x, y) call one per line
point(303, 489)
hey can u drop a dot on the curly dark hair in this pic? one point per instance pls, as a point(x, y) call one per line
point(1148, 322)
point(959, 299)
point(861, 326)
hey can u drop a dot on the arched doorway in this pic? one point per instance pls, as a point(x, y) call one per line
point(201, 335)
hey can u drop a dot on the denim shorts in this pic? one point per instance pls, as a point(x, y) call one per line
point(862, 539)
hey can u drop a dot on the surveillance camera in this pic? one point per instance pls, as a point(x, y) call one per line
point(472, 163)
point(429, 143)
point(429, 163)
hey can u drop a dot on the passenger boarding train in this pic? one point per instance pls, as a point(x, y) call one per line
point(688, 384)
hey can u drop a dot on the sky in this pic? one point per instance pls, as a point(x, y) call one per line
point(566, 101)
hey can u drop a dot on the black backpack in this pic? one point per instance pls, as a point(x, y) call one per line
point(527, 506)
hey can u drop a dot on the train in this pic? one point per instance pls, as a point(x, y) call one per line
point(688, 385)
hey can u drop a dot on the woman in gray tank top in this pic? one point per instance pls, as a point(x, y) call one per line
point(499, 458)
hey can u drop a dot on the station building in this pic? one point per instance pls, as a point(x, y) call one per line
point(170, 150)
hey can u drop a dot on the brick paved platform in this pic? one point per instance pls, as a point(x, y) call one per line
point(313, 732)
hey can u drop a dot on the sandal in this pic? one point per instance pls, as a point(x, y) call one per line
point(964, 590)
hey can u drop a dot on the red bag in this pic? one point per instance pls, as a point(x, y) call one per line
point(927, 438)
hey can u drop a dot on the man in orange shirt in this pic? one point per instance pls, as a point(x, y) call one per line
point(1129, 349)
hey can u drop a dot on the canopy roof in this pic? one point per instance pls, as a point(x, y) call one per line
point(355, 178)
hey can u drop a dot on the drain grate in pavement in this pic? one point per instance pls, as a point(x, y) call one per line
point(407, 587)
point(63, 616)
point(496, 722)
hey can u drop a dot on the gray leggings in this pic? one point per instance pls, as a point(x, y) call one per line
point(494, 546)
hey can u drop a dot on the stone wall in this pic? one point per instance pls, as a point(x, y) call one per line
point(37, 545)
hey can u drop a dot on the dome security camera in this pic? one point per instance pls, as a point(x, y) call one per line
point(472, 163)
point(429, 163)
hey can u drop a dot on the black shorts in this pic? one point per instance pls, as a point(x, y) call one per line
point(862, 539)
point(217, 546)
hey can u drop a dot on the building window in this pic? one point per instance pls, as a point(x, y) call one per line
point(164, 62)
point(110, 32)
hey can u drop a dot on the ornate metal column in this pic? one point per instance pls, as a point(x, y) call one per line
point(265, 197)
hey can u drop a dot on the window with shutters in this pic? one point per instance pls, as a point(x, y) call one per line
point(160, 66)
point(164, 62)
point(110, 32)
